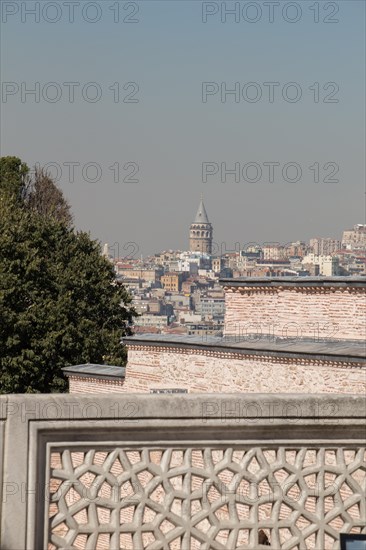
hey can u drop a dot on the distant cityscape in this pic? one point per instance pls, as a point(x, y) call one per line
point(178, 292)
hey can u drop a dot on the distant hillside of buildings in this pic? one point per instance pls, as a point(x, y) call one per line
point(178, 291)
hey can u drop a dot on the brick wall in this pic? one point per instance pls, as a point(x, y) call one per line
point(315, 309)
point(205, 371)
point(288, 312)
point(81, 384)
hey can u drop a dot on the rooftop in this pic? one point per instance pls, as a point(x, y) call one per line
point(201, 216)
point(331, 350)
point(295, 281)
point(105, 372)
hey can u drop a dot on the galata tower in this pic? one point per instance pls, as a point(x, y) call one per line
point(201, 232)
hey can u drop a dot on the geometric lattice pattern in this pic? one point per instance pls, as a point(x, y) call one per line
point(206, 498)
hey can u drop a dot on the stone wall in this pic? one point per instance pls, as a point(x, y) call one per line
point(284, 309)
point(181, 472)
point(204, 370)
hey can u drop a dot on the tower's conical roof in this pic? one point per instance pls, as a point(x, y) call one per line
point(201, 216)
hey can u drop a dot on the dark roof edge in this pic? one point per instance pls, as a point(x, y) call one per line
point(246, 351)
point(69, 371)
point(295, 281)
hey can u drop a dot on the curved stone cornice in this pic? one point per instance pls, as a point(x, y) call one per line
point(304, 285)
point(91, 379)
point(299, 289)
point(265, 357)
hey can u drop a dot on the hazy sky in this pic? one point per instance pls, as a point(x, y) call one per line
point(161, 129)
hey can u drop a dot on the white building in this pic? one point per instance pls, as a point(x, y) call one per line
point(328, 265)
point(158, 321)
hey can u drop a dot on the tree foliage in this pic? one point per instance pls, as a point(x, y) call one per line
point(59, 304)
point(33, 190)
point(13, 177)
point(45, 198)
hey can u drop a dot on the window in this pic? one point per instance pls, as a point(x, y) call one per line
point(353, 542)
